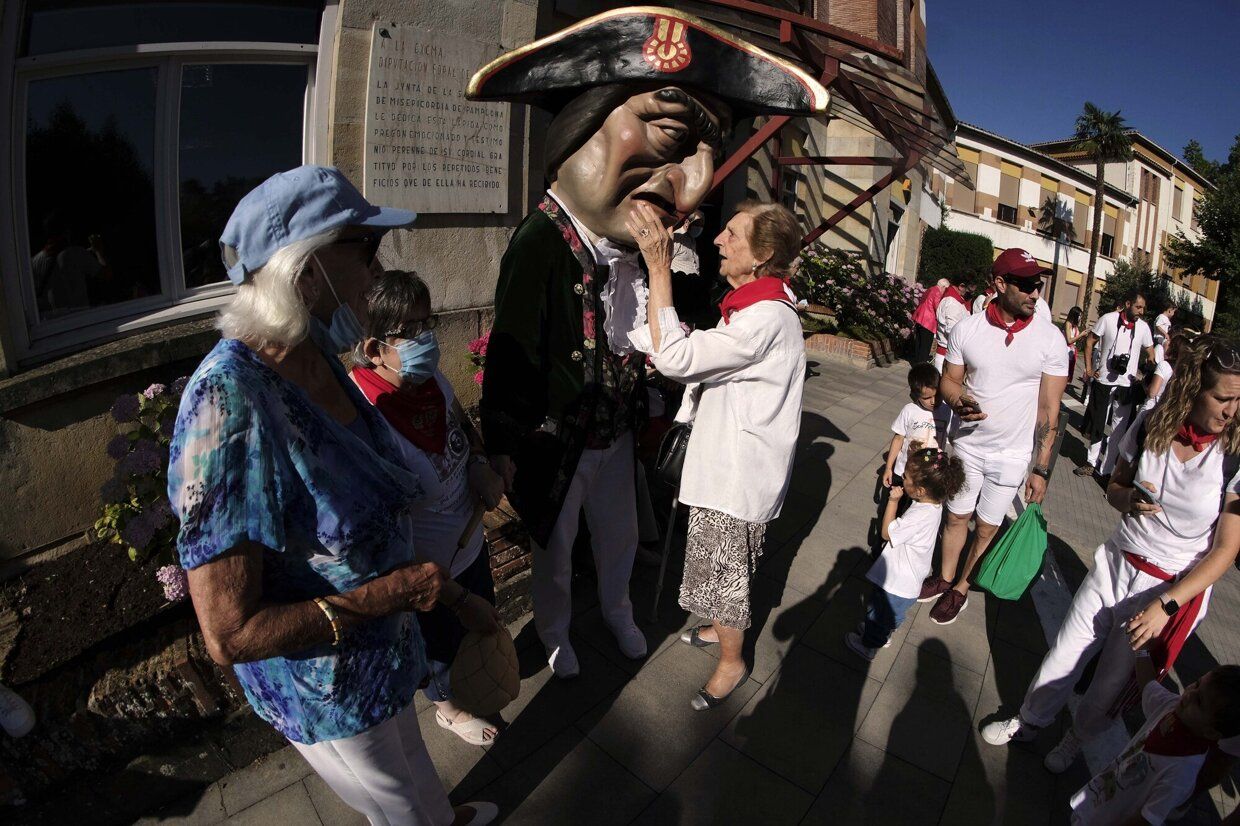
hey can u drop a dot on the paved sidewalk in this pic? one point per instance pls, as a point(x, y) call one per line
point(816, 735)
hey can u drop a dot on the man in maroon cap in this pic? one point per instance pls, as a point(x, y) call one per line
point(1005, 371)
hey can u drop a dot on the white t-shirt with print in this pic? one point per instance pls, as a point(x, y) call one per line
point(1114, 337)
point(917, 424)
point(1190, 494)
point(1004, 379)
point(437, 525)
point(906, 558)
point(1137, 782)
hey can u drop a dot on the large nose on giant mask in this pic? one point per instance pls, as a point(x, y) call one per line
point(687, 183)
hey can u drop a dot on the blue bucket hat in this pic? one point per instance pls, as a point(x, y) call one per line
point(290, 206)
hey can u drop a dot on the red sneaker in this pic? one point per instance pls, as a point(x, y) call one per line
point(948, 607)
point(933, 586)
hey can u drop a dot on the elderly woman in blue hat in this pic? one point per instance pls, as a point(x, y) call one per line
point(294, 506)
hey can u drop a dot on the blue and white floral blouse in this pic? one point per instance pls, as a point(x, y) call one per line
point(253, 459)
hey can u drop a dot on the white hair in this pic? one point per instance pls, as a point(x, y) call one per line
point(268, 308)
point(944, 283)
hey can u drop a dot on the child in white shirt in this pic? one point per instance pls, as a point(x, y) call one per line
point(1157, 771)
point(922, 420)
point(930, 478)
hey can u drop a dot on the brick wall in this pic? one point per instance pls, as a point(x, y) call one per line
point(876, 19)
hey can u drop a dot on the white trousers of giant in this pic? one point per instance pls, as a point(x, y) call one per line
point(385, 773)
point(1112, 592)
point(604, 486)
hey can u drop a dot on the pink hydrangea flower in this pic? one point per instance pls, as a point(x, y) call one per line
point(176, 584)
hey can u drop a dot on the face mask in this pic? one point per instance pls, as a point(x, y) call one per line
point(345, 330)
point(419, 357)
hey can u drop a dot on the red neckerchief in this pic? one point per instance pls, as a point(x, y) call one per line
point(1189, 435)
point(764, 288)
point(1123, 322)
point(992, 315)
point(952, 292)
point(419, 413)
point(1171, 738)
point(1166, 647)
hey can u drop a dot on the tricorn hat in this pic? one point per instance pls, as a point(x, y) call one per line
point(648, 45)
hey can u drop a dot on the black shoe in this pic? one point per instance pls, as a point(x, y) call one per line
point(694, 637)
point(705, 700)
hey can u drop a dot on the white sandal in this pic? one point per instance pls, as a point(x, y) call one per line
point(472, 731)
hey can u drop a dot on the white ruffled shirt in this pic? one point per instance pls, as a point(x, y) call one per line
point(624, 294)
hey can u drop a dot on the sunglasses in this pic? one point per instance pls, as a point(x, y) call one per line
point(369, 243)
point(1025, 285)
point(1220, 351)
point(413, 329)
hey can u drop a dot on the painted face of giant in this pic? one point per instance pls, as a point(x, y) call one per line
point(658, 147)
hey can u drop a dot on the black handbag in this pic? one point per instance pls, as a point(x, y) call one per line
point(670, 461)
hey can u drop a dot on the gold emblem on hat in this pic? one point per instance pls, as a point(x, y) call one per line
point(667, 50)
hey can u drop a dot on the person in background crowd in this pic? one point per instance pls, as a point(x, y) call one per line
point(684, 245)
point(744, 379)
point(982, 299)
point(951, 309)
point(293, 505)
point(1163, 371)
point(932, 477)
point(1176, 485)
point(1157, 771)
point(396, 366)
point(16, 716)
point(1072, 333)
point(925, 322)
point(1005, 373)
point(1162, 330)
point(1123, 337)
point(923, 421)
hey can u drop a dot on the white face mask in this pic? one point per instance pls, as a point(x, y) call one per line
point(345, 330)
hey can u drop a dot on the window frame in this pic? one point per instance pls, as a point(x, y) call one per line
point(31, 340)
point(999, 214)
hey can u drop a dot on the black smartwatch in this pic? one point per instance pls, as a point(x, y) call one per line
point(1044, 472)
point(1169, 605)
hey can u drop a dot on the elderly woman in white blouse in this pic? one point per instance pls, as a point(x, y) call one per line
point(744, 380)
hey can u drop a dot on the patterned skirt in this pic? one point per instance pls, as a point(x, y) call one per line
point(721, 555)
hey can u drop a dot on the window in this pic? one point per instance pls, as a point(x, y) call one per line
point(964, 198)
point(130, 160)
point(1107, 247)
point(1177, 204)
point(1009, 191)
point(1007, 214)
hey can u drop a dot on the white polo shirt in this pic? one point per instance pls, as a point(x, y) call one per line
point(1005, 381)
point(1115, 338)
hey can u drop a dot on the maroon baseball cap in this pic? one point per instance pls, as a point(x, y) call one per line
point(1016, 263)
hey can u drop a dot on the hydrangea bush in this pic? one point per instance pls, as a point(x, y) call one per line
point(478, 355)
point(866, 306)
point(136, 512)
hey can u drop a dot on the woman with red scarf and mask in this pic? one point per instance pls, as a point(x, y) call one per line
point(396, 367)
point(1176, 483)
point(744, 380)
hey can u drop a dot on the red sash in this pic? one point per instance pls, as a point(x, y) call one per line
point(765, 288)
point(952, 292)
point(419, 413)
point(1171, 738)
point(992, 315)
point(1166, 648)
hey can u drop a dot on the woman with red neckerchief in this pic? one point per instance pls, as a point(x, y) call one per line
point(743, 394)
point(1176, 483)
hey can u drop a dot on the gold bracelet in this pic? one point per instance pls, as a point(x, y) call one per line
point(332, 617)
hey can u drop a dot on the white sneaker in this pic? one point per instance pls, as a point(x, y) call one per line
point(853, 640)
point(16, 715)
point(1063, 755)
point(631, 640)
point(484, 813)
point(1002, 732)
point(563, 661)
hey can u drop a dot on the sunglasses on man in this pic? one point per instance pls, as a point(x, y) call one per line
point(1025, 285)
point(369, 243)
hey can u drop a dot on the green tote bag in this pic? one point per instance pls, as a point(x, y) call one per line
point(1011, 565)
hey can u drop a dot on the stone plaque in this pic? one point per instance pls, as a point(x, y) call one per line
point(428, 148)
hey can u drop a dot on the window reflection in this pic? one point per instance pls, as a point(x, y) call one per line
point(240, 124)
point(90, 197)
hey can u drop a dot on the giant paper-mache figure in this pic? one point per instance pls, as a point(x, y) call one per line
point(642, 100)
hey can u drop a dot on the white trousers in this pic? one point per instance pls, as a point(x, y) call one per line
point(1112, 592)
point(1120, 416)
point(385, 773)
point(604, 485)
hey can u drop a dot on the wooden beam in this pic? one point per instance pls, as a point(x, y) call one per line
point(747, 150)
point(882, 183)
point(836, 160)
point(800, 20)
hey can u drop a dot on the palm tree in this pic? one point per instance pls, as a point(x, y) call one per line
point(1055, 220)
point(1103, 136)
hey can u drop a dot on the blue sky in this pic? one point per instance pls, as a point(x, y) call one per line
point(1024, 69)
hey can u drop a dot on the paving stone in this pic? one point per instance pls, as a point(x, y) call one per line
point(570, 781)
point(966, 641)
point(202, 810)
point(329, 807)
point(292, 805)
point(461, 767)
point(844, 613)
point(262, 779)
point(871, 786)
point(802, 720)
point(725, 787)
point(631, 726)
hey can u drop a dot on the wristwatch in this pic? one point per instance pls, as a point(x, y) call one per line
point(479, 459)
point(1044, 472)
point(1169, 605)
